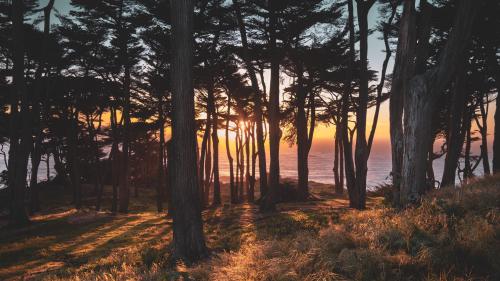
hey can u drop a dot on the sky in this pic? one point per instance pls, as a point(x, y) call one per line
point(323, 139)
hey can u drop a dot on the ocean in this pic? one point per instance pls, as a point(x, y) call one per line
point(320, 166)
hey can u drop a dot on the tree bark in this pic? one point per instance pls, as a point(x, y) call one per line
point(189, 241)
point(454, 140)
point(160, 186)
point(302, 138)
point(269, 202)
point(403, 69)
point(20, 121)
point(114, 159)
point(74, 158)
point(348, 155)
point(36, 154)
point(247, 157)
point(361, 154)
point(124, 192)
point(339, 188)
point(204, 155)
point(232, 186)
point(494, 68)
point(420, 103)
point(483, 129)
point(251, 196)
point(215, 142)
point(258, 102)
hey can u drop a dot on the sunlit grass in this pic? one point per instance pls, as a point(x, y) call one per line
point(453, 235)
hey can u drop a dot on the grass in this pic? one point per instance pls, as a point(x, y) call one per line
point(453, 235)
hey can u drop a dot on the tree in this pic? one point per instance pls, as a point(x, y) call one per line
point(258, 99)
point(20, 127)
point(189, 241)
point(269, 200)
point(420, 103)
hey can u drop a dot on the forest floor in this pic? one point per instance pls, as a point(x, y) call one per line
point(451, 236)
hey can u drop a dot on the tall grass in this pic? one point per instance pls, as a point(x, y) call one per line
point(453, 235)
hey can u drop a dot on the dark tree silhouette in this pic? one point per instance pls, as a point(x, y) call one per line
point(189, 243)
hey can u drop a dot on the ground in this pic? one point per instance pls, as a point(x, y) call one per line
point(452, 236)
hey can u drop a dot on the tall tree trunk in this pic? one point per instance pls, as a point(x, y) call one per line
point(169, 175)
point(454, 141)
point(238, 163)
point(468, 145)
point(20, 121)
point(403, 69)
point(483, 129)
point(215, 141)
point(336, 157)
point(232, 186)
point(348, 157)
point(204, 155)
point(247, 157)
point(124, 193)
point(114, 155)
point(208, 174)
point(361, 154)
point(96, 163)
point(251, 195)
point(269, 201)
point(302, 138)
point(36, 154)
point(380, 87)
point(189, 242)
point(47, 165)
point(75, 159)
point(494, 68)
point(160, 186)
point(241, 164)
point(258, 101)
point(420, 103)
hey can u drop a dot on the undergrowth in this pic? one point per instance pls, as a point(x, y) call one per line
point(453, 235)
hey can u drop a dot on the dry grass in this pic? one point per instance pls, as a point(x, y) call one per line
point(453, 235)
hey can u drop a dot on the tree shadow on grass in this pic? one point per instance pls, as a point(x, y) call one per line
point(62, 239)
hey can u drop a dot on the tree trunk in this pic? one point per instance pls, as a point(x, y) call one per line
point(160, 186)
point(169, 175)
point(75, 161)
point(208, 173)
point(302, 139)
point(204, 155)
point(361, 154)
point(20, 121)
point(468, 142)
point(483, 129)
point(403, 69)
point(114, 160)
point(494, 67)
point(232, 186)
point(269, 201)
point(258, 103)
point(36, 154)
point(124, 193)
point(247, 157)
point(215, 140)
point(454, 140)
point(96, 163)
point(251, 195)
point(420, 103)
point(189, 241)
point(241, 164)
point(348, 157)
point(336, 156)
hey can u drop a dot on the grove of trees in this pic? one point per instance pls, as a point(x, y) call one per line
point(132, 94)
